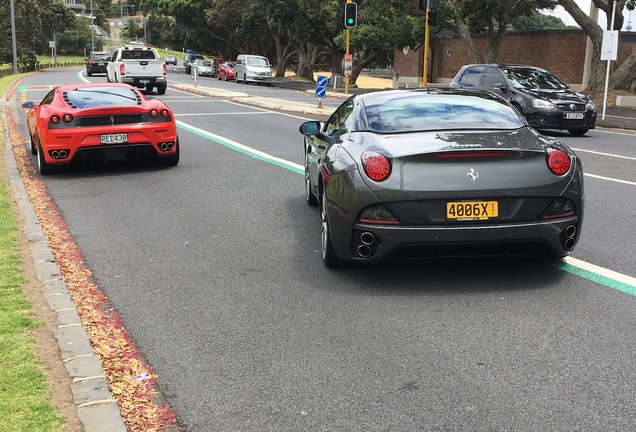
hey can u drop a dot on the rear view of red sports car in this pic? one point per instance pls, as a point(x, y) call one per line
point(101, 120)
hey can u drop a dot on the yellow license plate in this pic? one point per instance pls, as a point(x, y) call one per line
point(472, 210)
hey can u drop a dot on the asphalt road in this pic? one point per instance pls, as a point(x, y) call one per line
point(214, 267)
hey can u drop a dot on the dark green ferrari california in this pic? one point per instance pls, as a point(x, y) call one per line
point(439, 173)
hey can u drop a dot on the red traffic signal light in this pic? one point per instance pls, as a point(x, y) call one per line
point(351, 14)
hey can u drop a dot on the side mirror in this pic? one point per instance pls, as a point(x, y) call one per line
point(501, 87)
point(29, 105)
point(310, 128)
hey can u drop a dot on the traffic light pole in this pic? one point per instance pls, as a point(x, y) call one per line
point(346, 89)
point(427, 31)
point(348, 32)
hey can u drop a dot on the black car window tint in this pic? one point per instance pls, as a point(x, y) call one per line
point(492, 77)
point(48, 98)
point(537, 79)
point(471, 76)
point(98, 97)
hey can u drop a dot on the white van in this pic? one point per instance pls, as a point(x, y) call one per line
point(253, 68)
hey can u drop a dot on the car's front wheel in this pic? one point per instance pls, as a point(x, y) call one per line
point(578, 132)
point(329, 257)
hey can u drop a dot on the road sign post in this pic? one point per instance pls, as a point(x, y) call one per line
point(321, 89)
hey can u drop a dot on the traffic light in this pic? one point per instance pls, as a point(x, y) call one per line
point(433, 18)
point(351, 14)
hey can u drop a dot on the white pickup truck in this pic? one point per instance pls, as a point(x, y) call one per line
point(138, 66)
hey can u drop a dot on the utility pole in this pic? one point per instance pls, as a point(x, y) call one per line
point(427, 31)
point(92, 29)
point(13, 43)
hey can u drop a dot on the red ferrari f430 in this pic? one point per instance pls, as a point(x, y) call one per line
point(100, 120)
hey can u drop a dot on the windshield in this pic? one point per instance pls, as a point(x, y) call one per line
point(257, 61)
point(100, 57)
point(533, 79)
point(426, 112)
point(203, 63)
point(102, 96)
point(137, 55)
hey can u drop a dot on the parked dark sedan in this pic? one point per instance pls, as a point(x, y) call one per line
point(426, 173)
point(544, 100)
point(97, 63)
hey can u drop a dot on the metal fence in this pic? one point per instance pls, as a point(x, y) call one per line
point(39, 66)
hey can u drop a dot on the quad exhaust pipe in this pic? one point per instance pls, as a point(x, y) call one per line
point(166, 146)
point(367, 239)
point(570, 237)
point(59, 154)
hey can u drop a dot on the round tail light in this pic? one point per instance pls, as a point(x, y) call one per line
point(165, 112)
point(153, 112)
point(376, 166)
point(55, 119)
point(558, 161)
point(67, 118)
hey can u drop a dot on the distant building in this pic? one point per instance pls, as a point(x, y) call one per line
point(76, 6)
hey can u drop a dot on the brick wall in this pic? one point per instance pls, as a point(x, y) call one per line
point(562, 52)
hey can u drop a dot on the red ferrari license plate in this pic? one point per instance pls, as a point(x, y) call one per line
point(114, 138)
point(472, 210)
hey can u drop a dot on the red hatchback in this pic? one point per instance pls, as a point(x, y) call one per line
point(107, 120)
point(226, 71)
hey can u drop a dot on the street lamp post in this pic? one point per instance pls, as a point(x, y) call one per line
point(92, 31)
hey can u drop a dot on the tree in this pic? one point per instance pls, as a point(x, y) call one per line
point(537, 21)
point(490, 16)
point(623, 70)
point(383, 27)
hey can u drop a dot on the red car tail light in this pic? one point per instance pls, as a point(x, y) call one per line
point(90, 62)
point(376, 166)
point(55, 119)
point(122, 69)
point(67, 118)
point(165, 70)
point(558, 161)
point(165, 113)
point(153, 112)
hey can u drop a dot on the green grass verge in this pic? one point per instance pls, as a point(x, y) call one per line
point(25, 390)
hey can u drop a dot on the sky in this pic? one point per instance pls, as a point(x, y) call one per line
point(602, 19)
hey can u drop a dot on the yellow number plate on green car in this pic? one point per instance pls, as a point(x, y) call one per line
point(472, 210)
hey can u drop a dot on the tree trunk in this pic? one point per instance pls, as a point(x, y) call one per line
point(307, 55)
point(624, 77)
point(360, 64)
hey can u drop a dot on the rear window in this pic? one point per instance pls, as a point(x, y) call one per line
point(424, 112)
point(100, 57)
point(137, 55)
point(102, 96)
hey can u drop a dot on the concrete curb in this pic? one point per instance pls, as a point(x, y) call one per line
point(96, 408)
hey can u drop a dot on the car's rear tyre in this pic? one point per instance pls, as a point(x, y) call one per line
point(161, 89)
point(578, 132)
point(173, 159)
point(244, 79)
point(329, 257)
point(43, 167)
point(149, 87)
point(309, 196)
